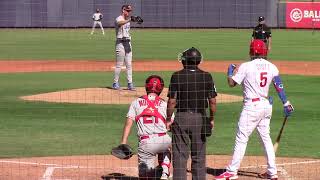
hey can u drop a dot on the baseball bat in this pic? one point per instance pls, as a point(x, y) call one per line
point(276, 144)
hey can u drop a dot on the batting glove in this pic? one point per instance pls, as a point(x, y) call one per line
point(288, 108)
point(231, 68)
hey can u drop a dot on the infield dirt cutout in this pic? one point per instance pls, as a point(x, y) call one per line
point(106, 167)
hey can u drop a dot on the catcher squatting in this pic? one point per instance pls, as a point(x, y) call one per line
point(149, 113)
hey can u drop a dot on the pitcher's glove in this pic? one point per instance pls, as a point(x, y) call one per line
point(137, 19)
point(123, 151)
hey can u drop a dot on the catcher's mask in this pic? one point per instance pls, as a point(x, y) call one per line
point(258, 48)
point(154, 84)
point(191, 56)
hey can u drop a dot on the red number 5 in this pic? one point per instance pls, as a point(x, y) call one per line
point(263, 78)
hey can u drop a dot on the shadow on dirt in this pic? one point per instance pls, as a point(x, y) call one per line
point(113, 176)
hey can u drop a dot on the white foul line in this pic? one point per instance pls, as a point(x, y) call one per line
point(284, 173)
point(27, 163)
point(51, 167)
point(48, 173)
point(41, 164)
point(282, 169)
point(284, 164)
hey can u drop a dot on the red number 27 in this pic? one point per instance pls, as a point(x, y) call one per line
point(263, 78)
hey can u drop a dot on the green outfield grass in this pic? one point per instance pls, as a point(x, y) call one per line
point(215, 44)
point(49, 129)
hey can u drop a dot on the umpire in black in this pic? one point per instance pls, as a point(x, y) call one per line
point(191, 92)
point(263, 32)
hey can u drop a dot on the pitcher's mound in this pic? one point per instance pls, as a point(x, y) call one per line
point(106, 96)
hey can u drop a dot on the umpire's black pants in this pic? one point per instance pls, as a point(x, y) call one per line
point(186, 131)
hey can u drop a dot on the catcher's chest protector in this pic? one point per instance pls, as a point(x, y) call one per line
point(151, 109)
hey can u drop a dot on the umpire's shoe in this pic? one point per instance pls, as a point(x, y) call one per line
point(116, 86)
point(131, 87)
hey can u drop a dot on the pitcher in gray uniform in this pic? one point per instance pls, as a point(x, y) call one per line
point(123, 47)
point(149, 113)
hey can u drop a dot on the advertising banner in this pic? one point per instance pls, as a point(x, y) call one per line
point(303, 15)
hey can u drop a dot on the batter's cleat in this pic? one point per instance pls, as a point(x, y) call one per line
point(226, 176)
point(267, 176)
point(165, 176)
point(116, 86)
point(131, 87)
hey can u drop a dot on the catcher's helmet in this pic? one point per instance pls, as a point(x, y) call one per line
point(154, 84)
point(258, 48)
point(191, 56)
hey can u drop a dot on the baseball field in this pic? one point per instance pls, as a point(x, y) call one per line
point(59, 119)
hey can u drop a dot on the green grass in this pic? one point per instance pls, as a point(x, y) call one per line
point(49, 129)
point(163, 44)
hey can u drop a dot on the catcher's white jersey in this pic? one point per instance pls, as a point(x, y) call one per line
point(255, 77)
point(150, 115)
point(97, 16)
point(124, 30)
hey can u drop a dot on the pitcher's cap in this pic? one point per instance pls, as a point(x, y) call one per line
point(127, 7)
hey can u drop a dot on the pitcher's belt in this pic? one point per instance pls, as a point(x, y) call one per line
point(123, 39)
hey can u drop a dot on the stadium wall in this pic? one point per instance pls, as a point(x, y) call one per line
point(156, 13)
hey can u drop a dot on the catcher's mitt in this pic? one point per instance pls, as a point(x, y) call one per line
point(123, 151)
point(137, 19)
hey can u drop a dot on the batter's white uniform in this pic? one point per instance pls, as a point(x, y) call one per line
point(255, 77)
point(97, 17)
point(123, 49)
point(149, 113)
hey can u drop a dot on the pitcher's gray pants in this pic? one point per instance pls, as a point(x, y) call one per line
point(123, 55)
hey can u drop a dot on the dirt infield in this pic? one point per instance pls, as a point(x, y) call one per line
point(108, 167)
point(286, 67)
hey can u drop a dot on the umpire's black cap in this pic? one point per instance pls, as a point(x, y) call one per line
point(191, 56)
point(261, 18)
